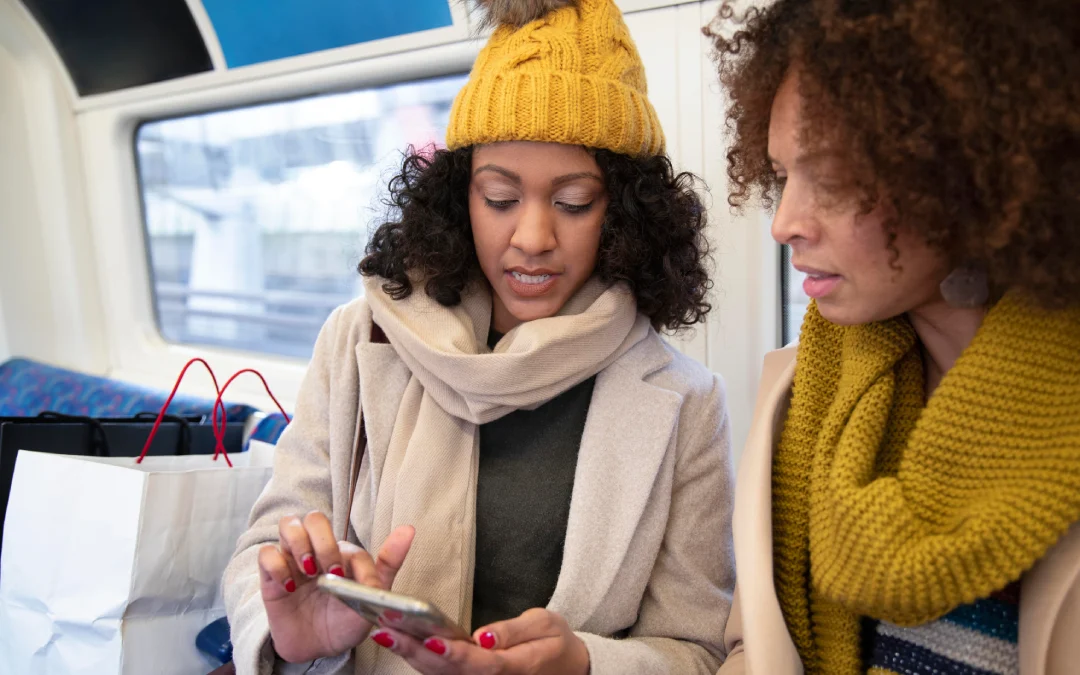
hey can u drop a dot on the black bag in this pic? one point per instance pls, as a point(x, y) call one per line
point(104, 437)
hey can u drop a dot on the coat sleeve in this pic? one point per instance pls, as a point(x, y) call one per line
point(301, 483)
point(680, 629)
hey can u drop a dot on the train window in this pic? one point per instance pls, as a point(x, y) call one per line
point(794, 301)
point(256, 217)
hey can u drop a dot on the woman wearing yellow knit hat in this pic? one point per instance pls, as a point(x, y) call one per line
point(499, 417)
point(909, 497)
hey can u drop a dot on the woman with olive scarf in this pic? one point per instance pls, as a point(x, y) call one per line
point(909, 497)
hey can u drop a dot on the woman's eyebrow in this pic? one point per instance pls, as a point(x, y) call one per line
point(575, 176)
point(495, 168)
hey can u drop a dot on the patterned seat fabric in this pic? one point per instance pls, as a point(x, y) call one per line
point(269, 428)
point(28, 388)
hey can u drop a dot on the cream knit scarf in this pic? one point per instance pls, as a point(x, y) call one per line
point(430, 470)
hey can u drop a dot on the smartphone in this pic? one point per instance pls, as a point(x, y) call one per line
point(417, 618)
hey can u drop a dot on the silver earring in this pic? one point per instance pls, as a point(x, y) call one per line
point(966, 287)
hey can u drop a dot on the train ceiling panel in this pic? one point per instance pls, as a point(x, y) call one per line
point(108, 45)
point(255, 31)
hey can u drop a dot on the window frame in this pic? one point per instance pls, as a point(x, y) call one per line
point(143, 209)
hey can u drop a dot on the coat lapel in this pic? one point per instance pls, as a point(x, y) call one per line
point(766, 641)
point(383, 378)
point(1049, 624)
point(628, 431)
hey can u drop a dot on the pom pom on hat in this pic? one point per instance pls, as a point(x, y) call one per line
point(517, 13)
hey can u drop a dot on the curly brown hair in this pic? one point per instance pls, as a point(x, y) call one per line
point(963, 116)
point(652, 238)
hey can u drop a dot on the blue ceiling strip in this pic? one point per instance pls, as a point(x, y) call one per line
point(254, 31)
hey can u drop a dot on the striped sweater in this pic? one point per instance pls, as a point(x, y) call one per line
point(975, 639)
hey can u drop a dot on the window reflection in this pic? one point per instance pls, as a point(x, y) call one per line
point(256, 217)
point(795, 299)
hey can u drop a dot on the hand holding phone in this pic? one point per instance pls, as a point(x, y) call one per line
point(306, 623)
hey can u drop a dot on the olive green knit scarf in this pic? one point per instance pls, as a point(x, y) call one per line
point(887, 508)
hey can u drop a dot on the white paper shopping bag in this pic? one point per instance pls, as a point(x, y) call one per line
point(111, 567)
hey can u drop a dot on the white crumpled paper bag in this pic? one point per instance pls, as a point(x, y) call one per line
point(114, 567)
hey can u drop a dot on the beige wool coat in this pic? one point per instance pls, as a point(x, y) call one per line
point(648, 569)
point(756, 635)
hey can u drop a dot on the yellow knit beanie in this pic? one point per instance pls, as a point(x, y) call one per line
point(557, 71)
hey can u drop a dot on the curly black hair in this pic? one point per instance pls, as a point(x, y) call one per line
point(653, 235)
point(962, 116)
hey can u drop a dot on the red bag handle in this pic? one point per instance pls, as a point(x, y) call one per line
point(220, 445)
point(217, 425)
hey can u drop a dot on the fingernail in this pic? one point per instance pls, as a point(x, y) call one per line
point(382, 639)
point(337, 571)
point(487, 640)
point(290, 585)
point(309, 565)
point(436, 646)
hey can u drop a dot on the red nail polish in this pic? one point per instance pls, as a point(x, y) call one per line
point(290, 585)
point(337, 571)
point(309, 566)
point(436, 646)
point(393, 615)
point(487, 640)
point(383, 639)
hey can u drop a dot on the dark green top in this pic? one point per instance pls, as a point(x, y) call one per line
point(527, 464)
